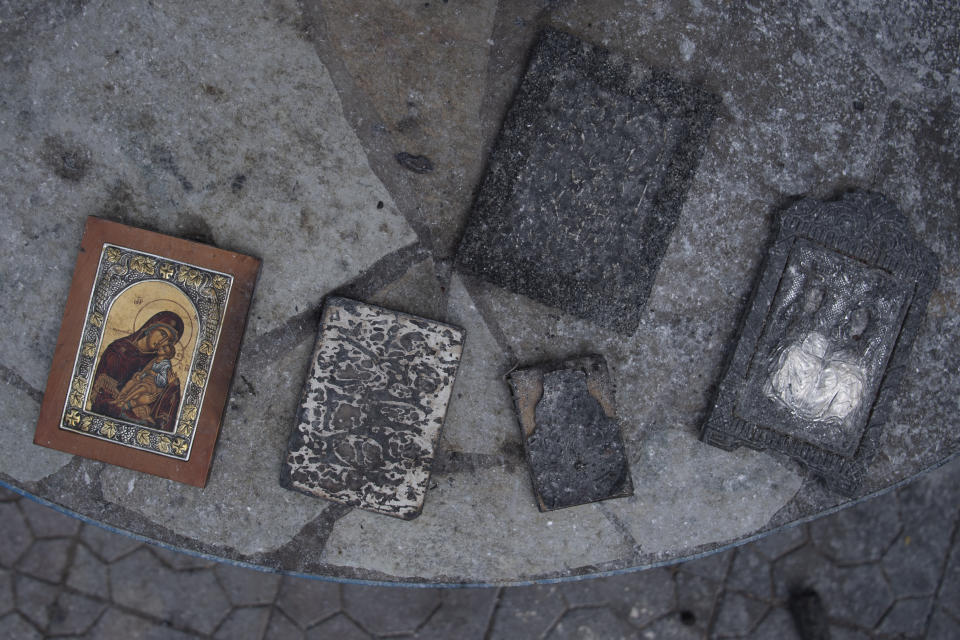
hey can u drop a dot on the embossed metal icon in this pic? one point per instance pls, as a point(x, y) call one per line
point(842, 294)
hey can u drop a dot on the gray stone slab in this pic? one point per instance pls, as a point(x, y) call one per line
point(463, 612)
point(914, 564)
point(74, 614)
point(571, 435)
point(738, 615)
point(864, 534)
point(492, 499)
point(16, 533)
point(907, 618)
point(778, 624)
point(592, 623)
point(307, 602)
point(480, 418)
point(750, 574)
point(417, 292)
point(950, 586)
point(244, 623)
point(281, 627)
point(942, 626)
point(397, 610)
point(638, 597)
point(527, 612)
point(415, 92)
point(181, 561)
point(191, 600)
point(87, 574)
point(46, 559)
point(107, 545)
point(16, 626)
point(670, 628)
point(119, 624)
point(247, 587)
point(35, 598)
point(586, 182)
point(781, 542)
point(696, 598)
point(6, 592)
point(808, 613)
point(48, 523)
point(372, 408)
point(339, 626)
point(22, 409)
point(858, 595)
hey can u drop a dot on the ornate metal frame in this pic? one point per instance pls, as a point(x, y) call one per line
point(119, 269)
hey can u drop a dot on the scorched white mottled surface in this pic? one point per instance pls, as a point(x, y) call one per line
point(372, 408)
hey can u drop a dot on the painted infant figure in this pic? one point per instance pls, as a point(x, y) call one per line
point(138, 395)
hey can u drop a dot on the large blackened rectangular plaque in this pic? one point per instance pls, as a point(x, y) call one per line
point(826, 338)
point(586, 182)
point(372, 408)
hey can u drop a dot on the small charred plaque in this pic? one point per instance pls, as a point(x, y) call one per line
point(372, 408)
point(570, 432)
point(827, 336)
point(586, 182)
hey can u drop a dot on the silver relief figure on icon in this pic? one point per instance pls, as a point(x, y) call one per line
point(815, 376)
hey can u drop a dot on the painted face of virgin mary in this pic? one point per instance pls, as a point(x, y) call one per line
point(159, 336)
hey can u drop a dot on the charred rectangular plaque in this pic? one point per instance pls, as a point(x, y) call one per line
point(586, 182)
point(568, 422)
point(372, 408)
point(826, 338)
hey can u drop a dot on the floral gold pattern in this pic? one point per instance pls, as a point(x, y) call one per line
point(219, 282)
point(190, 276)
point(199, 377)
point(206, 348)
point(143, 437)
point(72, 418)
point(113, 254)
point(76, 399)
point(180, 446)
point(143, 264)
point(166, 270)
point(109, 429)
point(163, 444)
point(89, 349)
point(185, 428)
point(96, 319)
point(85, 423)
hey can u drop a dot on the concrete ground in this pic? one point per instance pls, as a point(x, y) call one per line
point(886, 568)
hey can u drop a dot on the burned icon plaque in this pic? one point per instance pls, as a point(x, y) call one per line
point(570, 432)
point(372, 408)
point(827, 336)
point(146, 351)
point(586, 181)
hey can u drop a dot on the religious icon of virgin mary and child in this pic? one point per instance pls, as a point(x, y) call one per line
point(134, 379)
